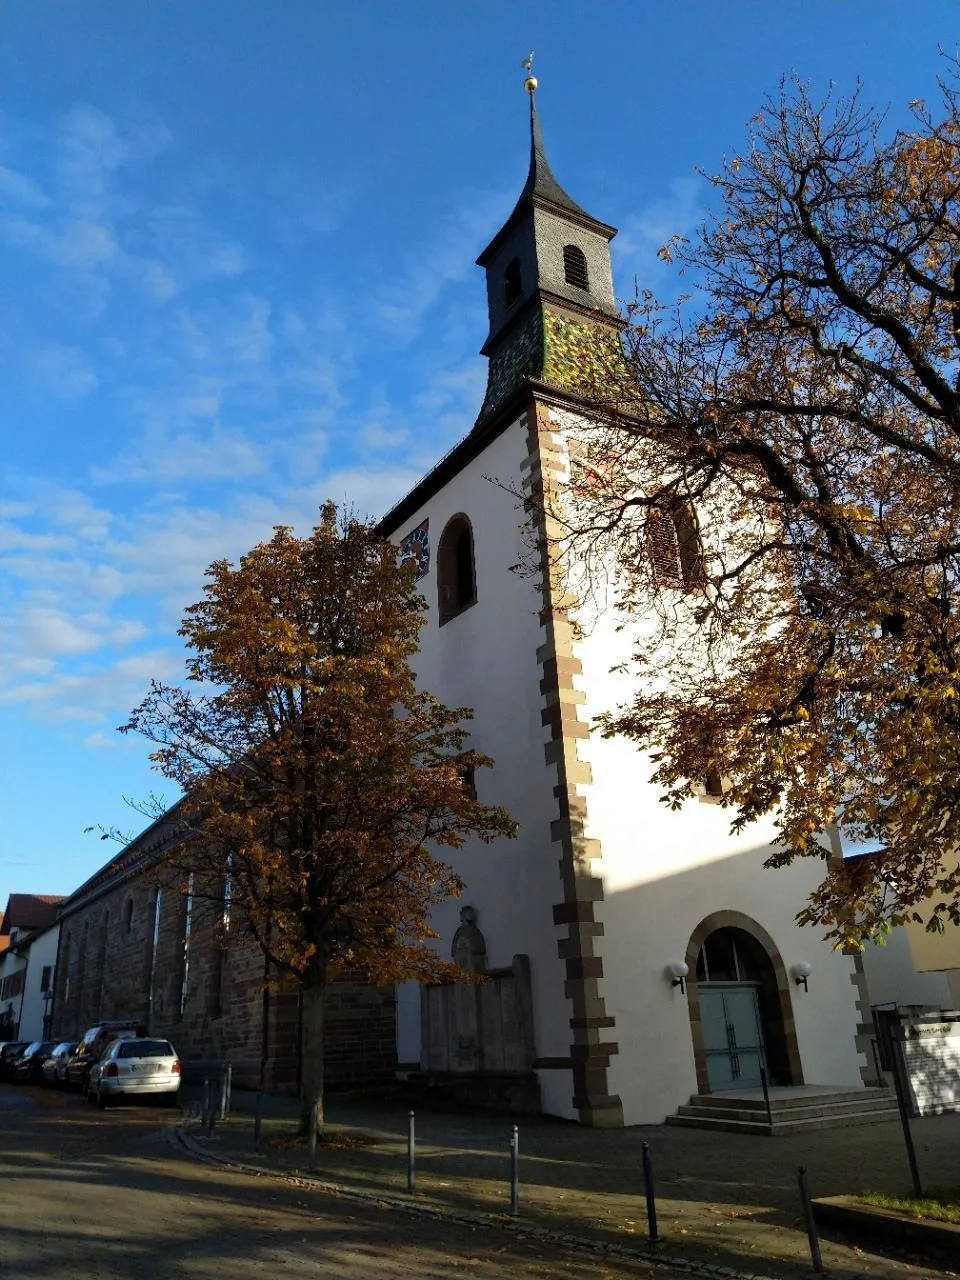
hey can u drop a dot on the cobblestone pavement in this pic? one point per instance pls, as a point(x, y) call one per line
point(728, 1200)
point(86, 1195)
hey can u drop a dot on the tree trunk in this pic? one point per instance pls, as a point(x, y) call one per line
point(311, 1097)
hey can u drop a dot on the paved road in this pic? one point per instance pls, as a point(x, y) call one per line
point(86, 1195)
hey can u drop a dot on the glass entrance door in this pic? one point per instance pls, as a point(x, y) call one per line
point(732, 1036)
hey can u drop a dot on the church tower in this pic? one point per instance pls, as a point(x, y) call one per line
point(553, 317)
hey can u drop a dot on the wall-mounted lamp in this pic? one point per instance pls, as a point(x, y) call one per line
point(800, 972)
point(677, 971)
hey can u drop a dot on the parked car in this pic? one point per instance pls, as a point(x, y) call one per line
point(9, 1052)
point(54, 1068)
point(26, 1068)
point(135, 1066)
point(88, 1051)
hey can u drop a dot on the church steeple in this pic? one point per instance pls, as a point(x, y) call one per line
point(550, 298)
point(540, 180)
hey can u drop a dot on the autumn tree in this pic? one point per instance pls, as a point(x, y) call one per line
point(794, 435)
point(321, 786)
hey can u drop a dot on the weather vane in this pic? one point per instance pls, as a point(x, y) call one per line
point(531, 81)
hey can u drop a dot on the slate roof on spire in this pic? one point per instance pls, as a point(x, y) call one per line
point(540, 179)
point(542, 187)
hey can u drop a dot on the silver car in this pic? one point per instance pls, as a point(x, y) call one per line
point(54, 1068)
point(135, 1066)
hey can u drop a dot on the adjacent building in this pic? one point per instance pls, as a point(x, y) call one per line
point(29, 930)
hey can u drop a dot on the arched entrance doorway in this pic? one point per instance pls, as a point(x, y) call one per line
point(740, 1011)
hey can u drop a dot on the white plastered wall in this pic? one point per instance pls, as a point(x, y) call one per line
point(43, 952)
point(486, 658)
point(664, 872)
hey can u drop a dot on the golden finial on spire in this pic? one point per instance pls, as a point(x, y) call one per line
point(531, 81)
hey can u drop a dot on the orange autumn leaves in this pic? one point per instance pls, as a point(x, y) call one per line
point(805, 401)
point(317, 774)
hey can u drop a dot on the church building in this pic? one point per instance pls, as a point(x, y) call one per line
point(634, 956)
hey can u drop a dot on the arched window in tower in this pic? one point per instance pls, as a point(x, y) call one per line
point(575, 267)
point(676, 553)
point(456, 573)
point(512, 282)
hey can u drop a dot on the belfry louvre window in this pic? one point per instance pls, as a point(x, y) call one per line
point(512, 282)
point(456, 573)
point(575, 267)
point(676, 554)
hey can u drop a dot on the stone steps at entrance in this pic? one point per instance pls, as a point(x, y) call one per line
point(791, 1111)
point(792, 1100)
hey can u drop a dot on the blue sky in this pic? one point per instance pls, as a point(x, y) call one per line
point(236, 252)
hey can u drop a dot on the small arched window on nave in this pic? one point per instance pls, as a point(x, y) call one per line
point(673, 538)
point(456, 571)
point(512, 282)
point(575, 267)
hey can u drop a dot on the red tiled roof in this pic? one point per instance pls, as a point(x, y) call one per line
point(30, 911)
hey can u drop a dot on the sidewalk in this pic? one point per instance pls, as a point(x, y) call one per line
point(727, 1200)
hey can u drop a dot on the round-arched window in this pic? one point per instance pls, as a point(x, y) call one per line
point(456, 572)
point(512, 282)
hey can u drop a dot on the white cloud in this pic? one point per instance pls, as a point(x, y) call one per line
point(99, 740)
point(223, 454)
point(677, 212)
point(153, 278)
point(77, 574)
point(228, 333)
point(49, 632)
point(96, 694)
point(13, 539)
point(400, 307)
point(75, 510)
point(63, 372)
point(18, 187)
point(23, 666)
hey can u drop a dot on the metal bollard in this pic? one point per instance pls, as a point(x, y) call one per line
point(258, 1120)
point(765, 1085)
point(808, 1215)
point(515, 1171)
point(411, 1153)
point(223, 1093)
point(652, 1233)
point(229, 1085)
point(205, 1106)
